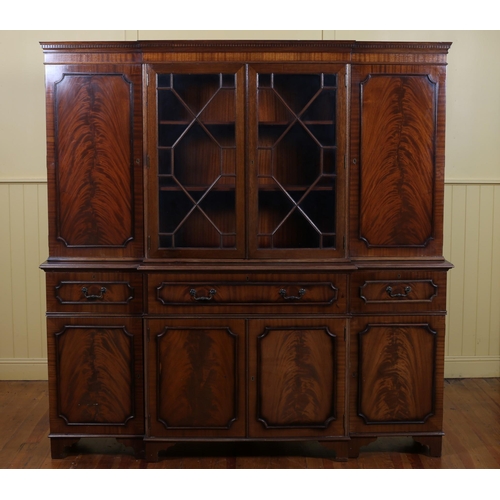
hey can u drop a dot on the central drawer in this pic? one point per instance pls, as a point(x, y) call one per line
point(239, 292)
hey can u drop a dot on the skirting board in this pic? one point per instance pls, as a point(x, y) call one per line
point(471, 366)
point(454, 367)
point(23, 369)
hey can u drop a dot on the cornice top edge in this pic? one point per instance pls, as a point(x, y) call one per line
point(61, 46)
point(171, 45)
point(441, 46)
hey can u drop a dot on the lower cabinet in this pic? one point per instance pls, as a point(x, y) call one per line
point(96, 376)
point(235, 378)
point(336, 380)
point(397, 374)
point(196, 378)
point(296, 382)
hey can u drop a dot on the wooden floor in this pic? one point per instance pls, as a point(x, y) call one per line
point(471, 424)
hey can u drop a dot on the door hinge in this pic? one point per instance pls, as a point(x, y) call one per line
point(346, 79)
point(147, 79)
point(149, 242)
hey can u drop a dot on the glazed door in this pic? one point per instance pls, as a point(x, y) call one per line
point(196, 378)
point(94, 161)
point(196, 161)
point(297, 136)
point(96, 376)
point(397, 161)
point(296, 382)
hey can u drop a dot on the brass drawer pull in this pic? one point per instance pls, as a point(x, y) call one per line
point(94, 297)
point(407, 290)
point(282, 292)
point(211, 292)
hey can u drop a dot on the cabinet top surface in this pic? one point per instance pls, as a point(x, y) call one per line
point(246, 51)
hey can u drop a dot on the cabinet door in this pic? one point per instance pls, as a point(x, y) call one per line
point(397, 161)
point(296, 378)
point(196, 156)
point(96, 376)
point(196, 378)
point(398, 365)
point(297, 136)
point(94, 160)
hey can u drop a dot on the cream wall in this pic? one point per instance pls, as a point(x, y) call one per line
point(472, 193)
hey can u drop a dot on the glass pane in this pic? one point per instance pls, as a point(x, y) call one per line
point(165, 161)
point(171, 108)
point(196, 90)
point(298, 158)
point(220, 208)
point(196, 160)
point(296, 153)
point(297, 90)
point(296, 232)
point(319, 206)
point(273, 208)
point(197, 232)
point(221, 108)
point(175, 205)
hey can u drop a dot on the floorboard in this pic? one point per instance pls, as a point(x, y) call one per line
point(471, 424)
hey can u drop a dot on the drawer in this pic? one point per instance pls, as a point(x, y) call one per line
point(398, 291)
point(308, 293)
point(94, 292)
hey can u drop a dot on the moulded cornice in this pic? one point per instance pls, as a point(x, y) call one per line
point(238, 45)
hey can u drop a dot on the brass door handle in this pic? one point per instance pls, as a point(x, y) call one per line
point(211, 293)
point(407, 290)
point(282, 292)
point(94, 297)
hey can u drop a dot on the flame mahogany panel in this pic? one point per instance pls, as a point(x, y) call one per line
point(303, 393)
point(297, 377)
point(195, 377)
point(397, 149)
point(398, 364)
point(96, 375)
point(95, 161)
point(397, 160)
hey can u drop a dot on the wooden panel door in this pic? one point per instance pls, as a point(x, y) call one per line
point(196, 155)
point(398, 365)
point(196, 378)
point(397, 160)
point(96, 376)
point(297, 147)
point(94, 137)
point(296, 378)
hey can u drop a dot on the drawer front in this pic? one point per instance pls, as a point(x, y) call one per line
point(398, 291)
point(94, 292)
point(325, 293)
